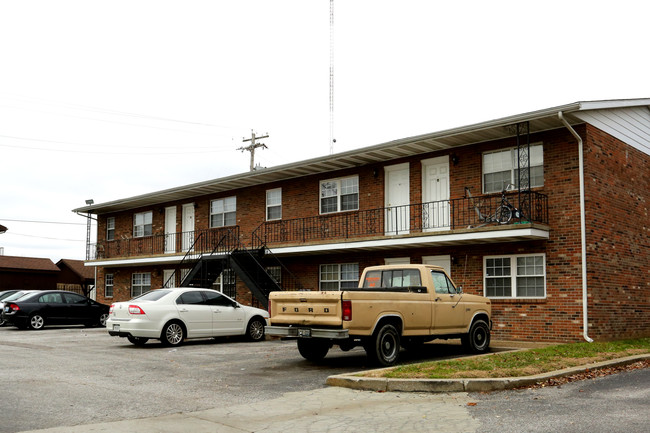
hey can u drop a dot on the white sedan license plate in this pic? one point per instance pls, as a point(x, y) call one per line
point(116, 328)
point(304, 332)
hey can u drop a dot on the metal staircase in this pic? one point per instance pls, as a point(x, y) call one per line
point(249, 264)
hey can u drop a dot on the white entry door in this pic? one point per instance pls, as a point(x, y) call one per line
point(442, 261)
point(435, 194)
point(188, 226)
point(170, 229)
point(397, 214)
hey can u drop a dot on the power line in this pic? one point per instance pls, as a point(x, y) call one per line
point(43, 222)
point(44, 237)
point(116, 112)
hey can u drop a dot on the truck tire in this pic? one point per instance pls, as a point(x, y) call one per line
point(477, 339)
point(313, 349)
point(383, 348)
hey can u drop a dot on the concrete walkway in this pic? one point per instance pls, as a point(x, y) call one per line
point(331, 409)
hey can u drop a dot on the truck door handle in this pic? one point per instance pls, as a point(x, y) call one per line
point(437, 299)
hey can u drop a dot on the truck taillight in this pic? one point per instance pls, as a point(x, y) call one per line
point(269, 308)
point(346, 307)
point(134, 309)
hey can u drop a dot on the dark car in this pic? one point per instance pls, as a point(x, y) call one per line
point(9, 295)
point(54, 307)
point(6, 293)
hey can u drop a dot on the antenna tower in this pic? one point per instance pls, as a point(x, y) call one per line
point(332, 140)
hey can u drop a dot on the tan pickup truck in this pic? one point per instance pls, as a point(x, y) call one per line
point(394, 306)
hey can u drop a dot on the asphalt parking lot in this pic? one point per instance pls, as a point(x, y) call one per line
point(64, 377)
point(71, 376)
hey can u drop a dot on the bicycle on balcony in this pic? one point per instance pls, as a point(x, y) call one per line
point(504, 212)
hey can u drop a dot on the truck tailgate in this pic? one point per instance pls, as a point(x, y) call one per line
point(306, 308)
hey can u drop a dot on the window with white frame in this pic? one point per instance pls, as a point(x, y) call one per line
point(223, 212)
point(140, 283)
point(275, 272)
point(516, 276)
point(108, 285)
point(500, 168)
point(339, 195)
point(339, 276)
point(110, 228)
point(169, 278)
point(142, 224)
point(273, 204)
point(226, 283)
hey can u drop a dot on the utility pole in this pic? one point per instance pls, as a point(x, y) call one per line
point(254, 145)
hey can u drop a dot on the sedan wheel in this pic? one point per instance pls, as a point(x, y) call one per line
point(138, 341)
point(173, 334)
point(255, 331)
point(36, 322)
point(102, 320)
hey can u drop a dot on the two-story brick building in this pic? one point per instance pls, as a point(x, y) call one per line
point(569, 260)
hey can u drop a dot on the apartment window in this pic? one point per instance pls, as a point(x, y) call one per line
point(142, 224)
point(275, 272)
point(500, 168)
point(110, 228)
point(223, 212)
point(339, 195)
point(517, 276)
point(274, 204)
point(339, 276)
point(169, 278)
point(108, 285)
point(140, 283)
point(226, 283)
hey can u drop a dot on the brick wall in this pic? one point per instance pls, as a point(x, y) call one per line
point(617, 217)
point(617, 179)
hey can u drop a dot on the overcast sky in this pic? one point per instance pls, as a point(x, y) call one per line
point(111, 99)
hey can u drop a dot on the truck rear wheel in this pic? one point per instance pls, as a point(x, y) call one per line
point(313, 349)
point(383, 348)
point(477, 339)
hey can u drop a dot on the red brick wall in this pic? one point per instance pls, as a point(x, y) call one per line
point(617, 216)
point(617, 179)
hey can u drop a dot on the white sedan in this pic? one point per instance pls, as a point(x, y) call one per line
point(173, 315)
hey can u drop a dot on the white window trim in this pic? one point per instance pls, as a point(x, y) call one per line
point(143, 225)
point(110, 227)
point(273, 205)
point(112, 285)
point(338, 195)
point(512, 169)
point(513, 275)
point(223, 214)
point(143, 285)
point(338, 280)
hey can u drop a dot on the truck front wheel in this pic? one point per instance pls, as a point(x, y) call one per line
point(478, 338)
point(313, 349)
point(383, 348)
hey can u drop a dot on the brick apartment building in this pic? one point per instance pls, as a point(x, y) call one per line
point(571, 262)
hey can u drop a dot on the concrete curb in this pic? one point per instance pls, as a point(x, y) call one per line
point(353, 381)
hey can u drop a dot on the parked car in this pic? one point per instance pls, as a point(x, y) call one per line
point(5, 293)
point(10, 295)
point(173, 315)
point(54, 307)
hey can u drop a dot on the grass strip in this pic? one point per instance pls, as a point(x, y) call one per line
point(521, 363)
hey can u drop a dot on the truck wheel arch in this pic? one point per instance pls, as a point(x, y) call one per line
point(394, 319)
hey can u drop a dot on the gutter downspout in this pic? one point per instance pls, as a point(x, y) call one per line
point(583, 226)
